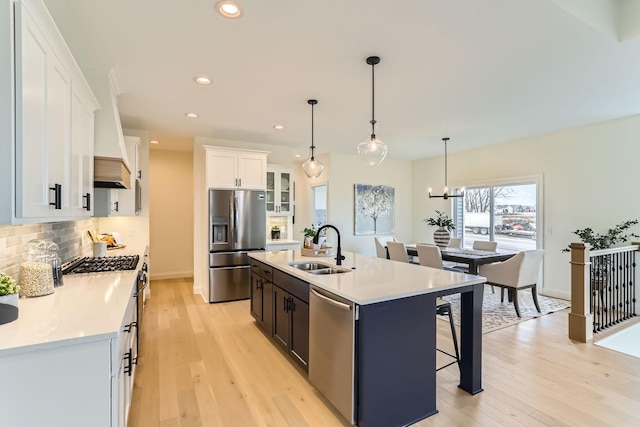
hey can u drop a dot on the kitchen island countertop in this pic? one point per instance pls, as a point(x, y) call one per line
point(371, 280)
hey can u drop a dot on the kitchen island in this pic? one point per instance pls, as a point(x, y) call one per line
point(394, 372)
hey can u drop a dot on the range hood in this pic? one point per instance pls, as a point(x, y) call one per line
point(111, 165)
point(110, 172)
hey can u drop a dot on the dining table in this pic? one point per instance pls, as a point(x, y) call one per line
point(473, 258)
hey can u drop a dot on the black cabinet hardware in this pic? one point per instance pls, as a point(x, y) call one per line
point(57, 196)
point(87, 206)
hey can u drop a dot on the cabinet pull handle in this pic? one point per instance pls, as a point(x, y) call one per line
point(267, 272)
point(128, 367)
point(57, 196)
point(139, 174)
point(259, 284)
point(292, 304)
point(88, 199)
point(286, 304)
point(116, 206)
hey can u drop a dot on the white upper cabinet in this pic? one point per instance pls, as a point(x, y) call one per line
point(231, 168)
point(280, 190)
point(81, 179)
point(53, 135)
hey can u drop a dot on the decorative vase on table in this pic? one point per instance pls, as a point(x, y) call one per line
point(441, 237)
point(8, 308)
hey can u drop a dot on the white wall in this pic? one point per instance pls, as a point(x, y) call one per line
point(345, 172)
point(589, 181)
point(171, 224)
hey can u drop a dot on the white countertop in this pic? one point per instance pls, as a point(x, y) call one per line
point(87, 307)
point(373, 279)
point(283, 242)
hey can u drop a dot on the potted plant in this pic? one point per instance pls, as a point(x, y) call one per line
point(600, 265)
point(613, 236)
point(309, 234)
point(445, 224)
point(8, 299)
point(275, 232)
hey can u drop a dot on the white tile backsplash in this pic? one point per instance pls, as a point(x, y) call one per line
point(69, 235)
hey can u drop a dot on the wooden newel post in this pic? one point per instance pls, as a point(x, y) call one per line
point(580, 317)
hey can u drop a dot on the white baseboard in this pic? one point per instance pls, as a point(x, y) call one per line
point(174, 275)
point(555, 294)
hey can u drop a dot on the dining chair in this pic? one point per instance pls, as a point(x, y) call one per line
point(430, 256)
point(397, 251)
point(381, 249)
point(455, 242)
point(483, 245)
point(518, 272)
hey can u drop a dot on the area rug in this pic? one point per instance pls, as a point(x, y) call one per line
point(626, 341)
point(497, 315)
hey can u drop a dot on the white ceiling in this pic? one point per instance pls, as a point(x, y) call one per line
point(480, 72)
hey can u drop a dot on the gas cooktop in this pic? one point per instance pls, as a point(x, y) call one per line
point(101, 264)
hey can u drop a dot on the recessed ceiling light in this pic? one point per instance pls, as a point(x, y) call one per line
point(278, 127)
point(297, 156)
point(192, 115)
point(154, 142)
point(228, 9)
point(203, 80)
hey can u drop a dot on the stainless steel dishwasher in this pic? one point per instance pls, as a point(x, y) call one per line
point(332, 327)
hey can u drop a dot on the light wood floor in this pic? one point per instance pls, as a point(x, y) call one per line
point(209, 365)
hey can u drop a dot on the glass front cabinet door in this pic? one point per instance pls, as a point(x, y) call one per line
point(279, 190)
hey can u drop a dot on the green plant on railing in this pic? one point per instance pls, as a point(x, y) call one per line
point(617, 234)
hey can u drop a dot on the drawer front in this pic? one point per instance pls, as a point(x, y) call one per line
point(261, 269)
point(293, 285)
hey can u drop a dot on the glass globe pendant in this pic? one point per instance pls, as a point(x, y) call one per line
point(312, 167)
point(373, 151)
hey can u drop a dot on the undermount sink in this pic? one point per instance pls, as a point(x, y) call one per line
point(309, 266)
point(328, 271)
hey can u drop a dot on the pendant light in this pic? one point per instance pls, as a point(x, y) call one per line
point(312, 167)
point(373, 151)
point(446, 194)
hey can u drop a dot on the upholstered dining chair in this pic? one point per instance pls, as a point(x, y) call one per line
point(483, 245)
point(430, 256)
point(518, 272)
point(381, 249)
point(397, 251)
point(455, 242)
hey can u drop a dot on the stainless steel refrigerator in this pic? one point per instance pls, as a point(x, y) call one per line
point(237, 225)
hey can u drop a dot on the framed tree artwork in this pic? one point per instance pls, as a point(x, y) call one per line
point(374, 209)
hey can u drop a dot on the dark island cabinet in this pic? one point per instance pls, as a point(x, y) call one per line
point(291, 325)
point(280, 305)
point(262, 295)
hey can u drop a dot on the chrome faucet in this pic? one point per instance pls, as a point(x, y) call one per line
point(316, 238)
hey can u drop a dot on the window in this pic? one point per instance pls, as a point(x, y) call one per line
point(319, 205)
point(506, 213)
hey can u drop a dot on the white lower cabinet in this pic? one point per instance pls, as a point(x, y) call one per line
point(78, 384)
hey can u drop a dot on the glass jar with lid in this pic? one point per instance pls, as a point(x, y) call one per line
point(36, 274)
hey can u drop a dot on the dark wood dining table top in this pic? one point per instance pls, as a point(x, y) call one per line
point(474, 258)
